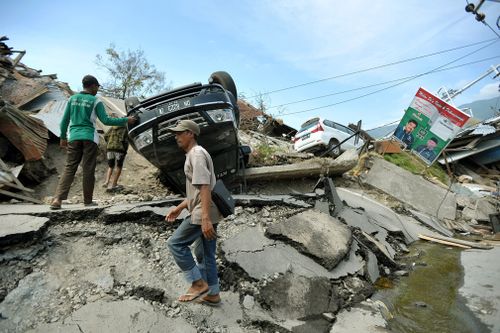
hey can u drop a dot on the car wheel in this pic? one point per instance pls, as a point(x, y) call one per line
point(225, 80)
point(335, 152)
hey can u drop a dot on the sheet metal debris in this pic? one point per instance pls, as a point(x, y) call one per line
point(27, 134)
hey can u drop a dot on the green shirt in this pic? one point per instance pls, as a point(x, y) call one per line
point(80, 115)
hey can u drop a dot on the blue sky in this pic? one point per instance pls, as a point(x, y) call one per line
point(270, 45)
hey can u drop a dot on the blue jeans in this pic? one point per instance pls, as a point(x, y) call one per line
point(204, 249)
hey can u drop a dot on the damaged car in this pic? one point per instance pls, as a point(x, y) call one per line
point(318, 135)
point(212, 106)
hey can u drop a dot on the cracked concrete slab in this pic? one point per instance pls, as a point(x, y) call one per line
point(291, 296)
point(122, 316)
point(372, 267)
point(480, 285)
point(315, 234)
point(32, 294)
point(381, 215)
point(19, 228)
point(350, 265)
point(265, 200)
point(138, 213)
point(416, 192)
point(260, 257)
point(377, 235)
point(226, 315)
point(362, 318)
point(431, 222)
point(380, 250)
point(480, 210)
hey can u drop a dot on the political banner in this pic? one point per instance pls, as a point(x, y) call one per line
point(429, 125)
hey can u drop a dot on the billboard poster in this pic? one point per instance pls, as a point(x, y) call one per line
point(429, 125)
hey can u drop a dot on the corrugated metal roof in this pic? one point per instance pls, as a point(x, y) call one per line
point(51, 115)
point(482, 146)
point(483, 129)
point(55, 93)
point(27, 134)
point(468, 131)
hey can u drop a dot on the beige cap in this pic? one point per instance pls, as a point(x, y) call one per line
point(186, 125)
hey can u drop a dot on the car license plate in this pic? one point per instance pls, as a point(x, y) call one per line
point(305, 137)
point(173, 106)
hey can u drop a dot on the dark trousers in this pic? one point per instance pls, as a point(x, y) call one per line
point(86, 153)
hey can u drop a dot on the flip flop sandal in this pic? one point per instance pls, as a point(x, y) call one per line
point(205, 301)
point(192, 296)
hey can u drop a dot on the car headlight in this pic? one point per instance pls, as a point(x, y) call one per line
point(144, 139)
point(220, 115)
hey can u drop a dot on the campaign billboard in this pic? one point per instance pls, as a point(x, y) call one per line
point(429, 125)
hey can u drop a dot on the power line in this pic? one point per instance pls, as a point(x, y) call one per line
point(379, 84)
point(394, 85)
point(373, 68)
point(496, 33)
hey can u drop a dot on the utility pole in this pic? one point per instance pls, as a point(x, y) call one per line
point(448, 97)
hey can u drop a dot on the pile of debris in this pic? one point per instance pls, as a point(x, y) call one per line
point(477, 145)
point(24, 92)
point(31, 107)
point(287, 263)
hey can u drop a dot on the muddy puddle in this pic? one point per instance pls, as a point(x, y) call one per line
point(428, 300)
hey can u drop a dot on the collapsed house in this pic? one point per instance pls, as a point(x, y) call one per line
point(24, 93)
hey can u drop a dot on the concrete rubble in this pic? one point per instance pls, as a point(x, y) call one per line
point(298, 255)
point(99, 260)
point(410, 189)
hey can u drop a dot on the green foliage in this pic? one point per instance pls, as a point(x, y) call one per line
point(264, 154)
point(130, 74)
point(413, 164)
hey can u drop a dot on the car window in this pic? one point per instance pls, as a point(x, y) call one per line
point(308, 124)
point(343, 128)
point(329, 123)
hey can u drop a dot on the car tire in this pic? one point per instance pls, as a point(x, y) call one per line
point(225, 80)
point(236, 108)
point(336, 151)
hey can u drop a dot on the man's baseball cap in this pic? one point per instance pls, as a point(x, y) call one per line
point(89, 80)
point(186, 125)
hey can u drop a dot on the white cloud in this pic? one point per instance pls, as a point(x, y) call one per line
point(489, 91)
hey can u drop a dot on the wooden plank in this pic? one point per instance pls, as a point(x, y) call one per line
point(29, 98)
point(20, 196)
point(462, 242)
point(431, 239)
point(19, 187)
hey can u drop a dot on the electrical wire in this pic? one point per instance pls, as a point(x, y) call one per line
point(394, 85)
point(486, 23)
point(374, 67)
point(378, 84)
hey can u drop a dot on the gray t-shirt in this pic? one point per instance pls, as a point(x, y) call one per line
point(199, 170)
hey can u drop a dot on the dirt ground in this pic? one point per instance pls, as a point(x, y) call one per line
point(139, 179)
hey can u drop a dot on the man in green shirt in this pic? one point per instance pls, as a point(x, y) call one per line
point(80, 116)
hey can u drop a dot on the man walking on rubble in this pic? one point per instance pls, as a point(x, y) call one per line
point(80, 115)
point(201, 224)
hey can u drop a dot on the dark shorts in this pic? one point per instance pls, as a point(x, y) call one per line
point(115, 158)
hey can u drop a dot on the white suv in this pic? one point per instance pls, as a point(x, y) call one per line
point(317, 135)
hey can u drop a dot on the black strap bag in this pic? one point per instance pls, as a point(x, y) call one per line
point(223, 199)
